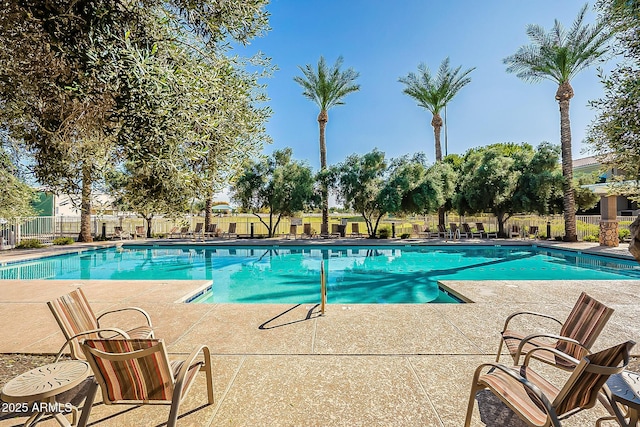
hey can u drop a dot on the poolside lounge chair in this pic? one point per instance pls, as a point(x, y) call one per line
point(456, 232)
point(324, 231)
point(419, 232)
point(140, 231)
point(293, 231)
point(577, 334)
point(466, 229)
point(533, 231)
point(120, 233)
point(139, 372)
point(355, 230)
point(307, 231)
point(442, 231)
point(199, 231)
point(184, 231)
point(210, 231)
point(515, 231)
point(480, 229)
point(231, 231)
point(77, 321)
point(538, 402)
point(173, 232)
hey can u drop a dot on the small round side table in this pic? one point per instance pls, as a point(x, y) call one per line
point(42, 385)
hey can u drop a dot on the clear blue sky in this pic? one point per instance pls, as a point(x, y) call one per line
point(385, 40)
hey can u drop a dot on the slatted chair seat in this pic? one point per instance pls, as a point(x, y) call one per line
point(577, 334)
point(130, 371)
point(538, 402)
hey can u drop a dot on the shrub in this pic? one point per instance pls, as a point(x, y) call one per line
point(29, 244)
point(624, 234)
point(405, 235)
point(558, 238)
point(63, 241)
point(591, 238)
point(384, 233)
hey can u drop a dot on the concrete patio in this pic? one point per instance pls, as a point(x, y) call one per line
point(285, 365)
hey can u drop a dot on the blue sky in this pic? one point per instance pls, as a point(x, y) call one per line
point(385, 40)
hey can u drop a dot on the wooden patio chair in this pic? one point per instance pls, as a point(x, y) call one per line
point(442, 231)
point(307, 231)
point(120, 233)
point(78, 321)
point(533, 231)
point(480, 229)
point(355, 230)
point(466, 229)
point(198, 231)
point(538, 402)
point(138, 372)
point(211, 231)
point(577, 334)
point(173, 231)
point(293, 231)
point(515, 231)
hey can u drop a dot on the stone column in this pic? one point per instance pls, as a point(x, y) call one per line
point(609, 233)
point(608, 223)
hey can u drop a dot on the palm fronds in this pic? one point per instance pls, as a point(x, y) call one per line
point(326, 86)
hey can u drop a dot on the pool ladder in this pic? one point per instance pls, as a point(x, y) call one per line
point(323, 288)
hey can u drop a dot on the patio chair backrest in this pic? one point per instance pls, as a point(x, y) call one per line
point(453, 227)
point(442, 228)
point(293, 229)
point(416, 229)
point(211, 228)
point(184, 230)
point(307, 229)
point(355, 228)
point(74, 315)
point(140, 229)
point(581, 389)
point(480, 227)
point(199, 227)
point(232, 228)
point(131, 370)
point(533, 229)
point(334, 228)
point(466, 228)
point(585, 322)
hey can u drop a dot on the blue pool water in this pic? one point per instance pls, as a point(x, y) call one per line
point(287, 274)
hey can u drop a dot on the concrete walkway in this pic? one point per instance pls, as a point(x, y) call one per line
point(358, 365)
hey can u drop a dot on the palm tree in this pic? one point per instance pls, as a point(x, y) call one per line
point(559, 56)
point(435, 93)
point(327, 87)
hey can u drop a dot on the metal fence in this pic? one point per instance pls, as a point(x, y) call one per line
point(45, 229)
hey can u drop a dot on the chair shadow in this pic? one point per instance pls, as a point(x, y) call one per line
point(494, 413)
point(310, 315)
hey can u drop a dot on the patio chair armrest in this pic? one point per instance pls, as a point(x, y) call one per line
point(529, 313)
point(188, 362)
point(550, 350)
point(137, 309)
point(545, 335)
point(535, 391)
point(89, 332)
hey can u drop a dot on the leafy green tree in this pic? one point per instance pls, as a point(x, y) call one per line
point(560, 55)
point(615, 134)
point(16, 196)
point(434, 93)
point(373, 187)
point(278, 185)
point(326, 87)
point(507, 179)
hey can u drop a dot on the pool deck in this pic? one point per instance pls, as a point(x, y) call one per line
point(285, 365)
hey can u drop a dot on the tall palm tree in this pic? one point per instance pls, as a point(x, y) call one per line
point(434, 93)
point(560, 55)
point(327, 87)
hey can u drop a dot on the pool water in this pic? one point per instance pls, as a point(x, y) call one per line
point(271, 274)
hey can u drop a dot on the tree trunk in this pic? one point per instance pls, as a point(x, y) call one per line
point(563, 96)
point(436, 122)
point(85, 206)
point(501, 219)
point(323, 118)
point(208, 204)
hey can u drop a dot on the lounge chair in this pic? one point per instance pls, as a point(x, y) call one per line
point(533, 231)
point(324, 231)
point(420, 233)
point(442, 231)
point(118, 232)
point(293, 231)
point(173, 231)
point(231, 231)
point(307, 231)
point(480, 229)
point(466, 229)
point(77, 321)
point(455, 232)
point(141, 231)
point(355, 230)
point(199, 231)
point(577, 334)
point(184, 232)
point(210, 231)
point(515, 231)
point(538, 402)
point(137, 372)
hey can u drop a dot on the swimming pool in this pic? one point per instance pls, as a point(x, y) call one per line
point(290, 274)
